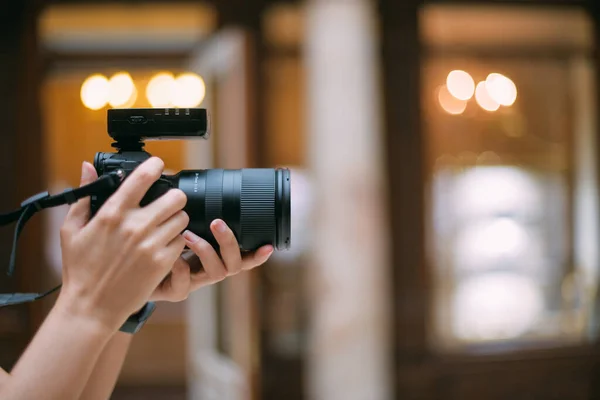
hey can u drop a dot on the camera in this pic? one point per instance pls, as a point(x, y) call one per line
point(254, 202)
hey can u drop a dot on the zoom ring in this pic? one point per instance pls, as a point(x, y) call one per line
point(258, 221)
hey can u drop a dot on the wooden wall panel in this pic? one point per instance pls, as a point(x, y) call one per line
point(20, 157)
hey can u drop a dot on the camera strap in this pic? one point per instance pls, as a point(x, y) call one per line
point(104, 184)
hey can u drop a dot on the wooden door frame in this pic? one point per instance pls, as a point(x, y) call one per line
point(226, 63)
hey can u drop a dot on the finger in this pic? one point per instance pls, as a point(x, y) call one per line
point(170, 254)
point(257, 258)
point(230, 249)
point(212, 264)
point(201, 279)
point(191, 259)
point(177, 287)
point(164, 207)
point(170, 229)
point(79, 213)
point(135, 186)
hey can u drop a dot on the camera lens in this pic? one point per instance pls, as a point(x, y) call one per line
point(254, 202)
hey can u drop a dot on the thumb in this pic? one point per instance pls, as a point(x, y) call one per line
point(79, 213)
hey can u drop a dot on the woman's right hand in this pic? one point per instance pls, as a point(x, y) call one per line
point(113, 262)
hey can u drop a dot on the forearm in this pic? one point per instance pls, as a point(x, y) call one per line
point(59, 361)
point(105, 374)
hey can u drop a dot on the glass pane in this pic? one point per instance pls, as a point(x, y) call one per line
point(509, 124)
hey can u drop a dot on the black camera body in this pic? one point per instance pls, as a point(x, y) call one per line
point(254, 202)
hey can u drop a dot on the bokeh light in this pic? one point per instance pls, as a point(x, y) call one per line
point(131, 102)
point(496, 243)
point(501, 89)
point(450, 103)
point(485, 191)
point(460, 84)
point(189, 90)
point(484, 99)
point(160, 90)
point(494, 306)
point(95, 92)
point(122, 91)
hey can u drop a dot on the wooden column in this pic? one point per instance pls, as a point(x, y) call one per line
point(349, 354)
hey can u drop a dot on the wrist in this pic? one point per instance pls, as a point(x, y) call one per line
point(85, 316)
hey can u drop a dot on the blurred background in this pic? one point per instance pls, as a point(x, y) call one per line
point(444, 160)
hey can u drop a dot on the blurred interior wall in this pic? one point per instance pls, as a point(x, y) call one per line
point(349, 348)
point(20, 161)
point(13, 320)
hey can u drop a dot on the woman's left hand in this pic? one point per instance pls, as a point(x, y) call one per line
point(182, 281)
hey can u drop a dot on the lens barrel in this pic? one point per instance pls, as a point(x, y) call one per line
point(254, 202)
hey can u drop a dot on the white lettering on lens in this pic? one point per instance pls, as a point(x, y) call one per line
point(196, 178)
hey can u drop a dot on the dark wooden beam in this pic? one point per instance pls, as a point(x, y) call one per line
point(107, 58)
point(505, 54)
point(530, 3)
point(401, 53)
point(64, 62)
point(594, 12)
point(21, 163)
point(30, 155)
point(247, 15)
point(231, 4)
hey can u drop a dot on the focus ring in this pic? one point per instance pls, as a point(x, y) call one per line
point(258, 222)
point(214, 196)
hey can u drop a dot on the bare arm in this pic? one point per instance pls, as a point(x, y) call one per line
point(40, 363)
point(104, 377)
point(175, 287)
point(60, 359)
point(3, 377)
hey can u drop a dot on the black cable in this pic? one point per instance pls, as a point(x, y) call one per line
point(105, 184)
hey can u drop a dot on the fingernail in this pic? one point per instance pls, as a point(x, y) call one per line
point(220, 226)
point(268, 252)
point(157, 163)
point(190, 237)
point(85, 175)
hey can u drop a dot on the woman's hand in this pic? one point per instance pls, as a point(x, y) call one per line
point(113, 262)
point(181, 282)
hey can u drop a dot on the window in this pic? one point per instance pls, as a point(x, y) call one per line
point(512, 206)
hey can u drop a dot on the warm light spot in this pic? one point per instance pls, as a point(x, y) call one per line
point(121, 90)
point(189, 91)
point(484, 99)
point(160, 90)
point(130, 103)
point(94, 92)
point(501, 89)
point(449, 103)
point(460, 85)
